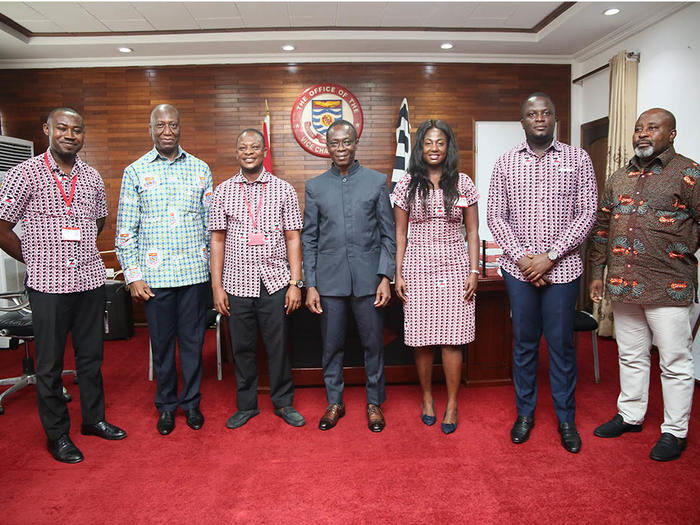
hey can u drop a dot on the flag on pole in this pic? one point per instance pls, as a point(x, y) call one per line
point(267, 161)
point(403, 145)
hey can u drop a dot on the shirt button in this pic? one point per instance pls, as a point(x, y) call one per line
point(630, 229)
point(345, 179)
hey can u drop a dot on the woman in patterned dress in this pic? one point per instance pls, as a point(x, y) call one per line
point(435, 276)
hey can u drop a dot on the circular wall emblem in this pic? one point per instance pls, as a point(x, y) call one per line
point(317, 108)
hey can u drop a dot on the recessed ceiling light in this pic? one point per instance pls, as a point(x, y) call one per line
point(288, 47)
point(125, 50)
point(611, 11)
point(446, 45)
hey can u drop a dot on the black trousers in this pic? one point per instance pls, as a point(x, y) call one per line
point(247, 315)
point(53, 316)
point(177, 313)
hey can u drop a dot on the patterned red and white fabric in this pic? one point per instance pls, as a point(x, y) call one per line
point(246, 265)
point(30, 194)
point(435, 268)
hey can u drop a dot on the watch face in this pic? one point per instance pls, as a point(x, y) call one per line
point(300, 284)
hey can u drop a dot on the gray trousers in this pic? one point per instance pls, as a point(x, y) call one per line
point(370, 326)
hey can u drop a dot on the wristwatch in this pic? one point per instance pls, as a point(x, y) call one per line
point(298, 284)
point(552, 255)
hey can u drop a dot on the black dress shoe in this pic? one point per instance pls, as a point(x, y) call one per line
point(375, 418)
point(195, 419)
point(668, 447)
point(570, 438)
point(64, 450)
point(104, 430)
point(522, 427)
point(290, 416)
point(615, 428)
point(241, 417)
point(166, 422)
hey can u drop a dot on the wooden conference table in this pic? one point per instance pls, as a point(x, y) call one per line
point(487, 361)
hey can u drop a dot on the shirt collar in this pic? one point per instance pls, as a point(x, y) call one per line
point(54, 167)
point(353, 169)
point(262, 178)
point(663, 158)
point(154, 155)
point(524, 146)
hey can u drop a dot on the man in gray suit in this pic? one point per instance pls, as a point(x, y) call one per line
point(349, 245)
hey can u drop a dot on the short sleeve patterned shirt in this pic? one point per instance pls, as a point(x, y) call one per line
point(162, 236)
point(246, 265)
point(30, 194)
point(537, 204)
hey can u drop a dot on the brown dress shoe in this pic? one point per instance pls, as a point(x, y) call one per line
point(333, 413)
point(375, 418)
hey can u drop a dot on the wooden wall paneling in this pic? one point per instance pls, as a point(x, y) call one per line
point(216, 102)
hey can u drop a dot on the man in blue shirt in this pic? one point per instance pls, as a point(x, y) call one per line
point(349, 244)
point(162, 244)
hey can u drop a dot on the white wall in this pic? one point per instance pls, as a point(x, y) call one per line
point(669, 77)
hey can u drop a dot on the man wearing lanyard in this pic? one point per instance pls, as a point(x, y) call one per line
point(256, 274)
point(349, 247)
point(162, 244)
point(61, 203)
point(541, 205)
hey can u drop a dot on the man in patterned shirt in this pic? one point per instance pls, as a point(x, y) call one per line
point(61, 203)
point(647, 235)
point(255, 249)
point(541, 205)
point(162, 244)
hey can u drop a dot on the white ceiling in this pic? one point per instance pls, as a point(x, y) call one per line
point(65, 34)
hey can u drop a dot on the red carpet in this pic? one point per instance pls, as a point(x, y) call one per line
point(268, 472)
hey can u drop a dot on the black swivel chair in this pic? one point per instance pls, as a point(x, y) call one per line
point(585, 322)
point(16, 323)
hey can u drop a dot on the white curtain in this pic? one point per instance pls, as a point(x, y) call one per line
point(622, 114)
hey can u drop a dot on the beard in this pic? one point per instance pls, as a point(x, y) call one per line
point(644, 152)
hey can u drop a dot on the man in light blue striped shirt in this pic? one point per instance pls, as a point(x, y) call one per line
point(162, 244)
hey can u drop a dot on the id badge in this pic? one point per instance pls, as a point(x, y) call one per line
point(256, 239)
point(462, 202)
point(70, 234)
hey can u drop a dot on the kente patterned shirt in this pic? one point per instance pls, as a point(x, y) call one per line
point(537, 204)
point(246, 265)
point(162, 235)
point(30, 194)
point(647, 232)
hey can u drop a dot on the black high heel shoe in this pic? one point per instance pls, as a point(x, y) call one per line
point(426, 419)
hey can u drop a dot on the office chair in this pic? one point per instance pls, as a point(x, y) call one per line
point(16, 323)
point(585, 322)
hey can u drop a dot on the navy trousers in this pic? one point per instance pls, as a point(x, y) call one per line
point(266, 313)
point(370, 326)
point(177, 313)
point(53, 316)
point(549, 310)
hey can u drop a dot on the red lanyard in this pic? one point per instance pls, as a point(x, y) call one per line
point(254, 220)
point(67, 199)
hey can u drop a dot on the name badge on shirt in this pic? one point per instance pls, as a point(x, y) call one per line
point(70, 234)
point(256, 239)
point(462, 202)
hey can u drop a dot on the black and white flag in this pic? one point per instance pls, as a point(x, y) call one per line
point(403, 145)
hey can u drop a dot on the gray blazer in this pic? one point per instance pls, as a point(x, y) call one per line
point(349, 240)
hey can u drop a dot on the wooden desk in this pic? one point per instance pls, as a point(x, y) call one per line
point(488, 359)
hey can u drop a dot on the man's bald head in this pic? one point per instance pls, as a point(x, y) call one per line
point(164, 108)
